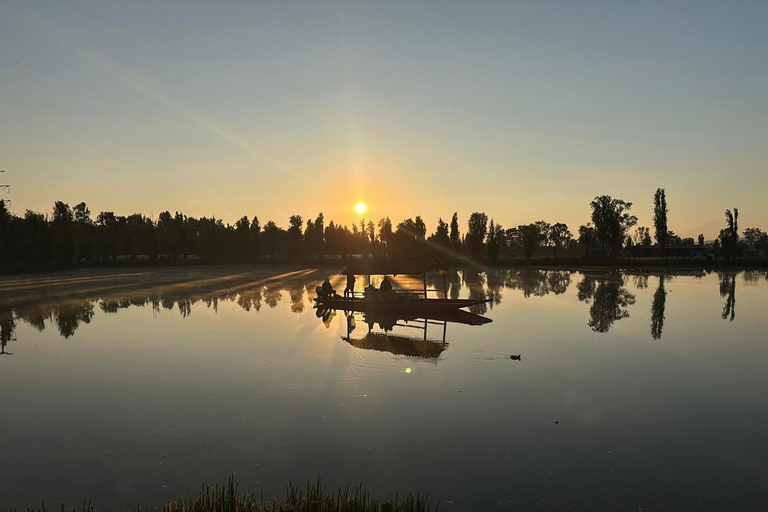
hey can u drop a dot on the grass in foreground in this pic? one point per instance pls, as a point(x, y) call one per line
point(315, 497)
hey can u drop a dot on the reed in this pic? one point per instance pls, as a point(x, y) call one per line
point(315, 496)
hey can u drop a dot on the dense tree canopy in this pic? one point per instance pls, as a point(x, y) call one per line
point(70, 236)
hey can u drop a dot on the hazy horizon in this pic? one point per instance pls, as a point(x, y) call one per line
point(523, 110)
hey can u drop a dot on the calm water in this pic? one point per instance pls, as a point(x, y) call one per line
point(632, 392)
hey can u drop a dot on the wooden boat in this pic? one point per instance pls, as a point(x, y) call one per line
point(412, 301)
point(409, 303)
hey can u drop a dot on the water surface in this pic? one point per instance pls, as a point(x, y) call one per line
point(633, 391)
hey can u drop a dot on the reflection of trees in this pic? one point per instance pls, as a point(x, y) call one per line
point(454, 284)
point(640, 281)
point(754, 276)
point(71, 313)
point(728, 290)
point(250, 299)
point(558, 281)
point(531, 282)
point(586, 288)
point(297, 299)
point(495, 282)
point(475, 282)
point(272, 295)
point(609, 298)
point(7, 327)
point(68, 317)
point(657, 310)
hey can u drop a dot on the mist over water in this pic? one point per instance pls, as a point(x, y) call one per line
point(633, 390)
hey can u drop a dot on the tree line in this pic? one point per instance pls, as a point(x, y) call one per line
point(71, 236)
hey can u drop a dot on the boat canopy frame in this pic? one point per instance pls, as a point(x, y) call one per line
point(416, 266)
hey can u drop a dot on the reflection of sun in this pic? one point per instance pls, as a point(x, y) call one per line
point(360, 208)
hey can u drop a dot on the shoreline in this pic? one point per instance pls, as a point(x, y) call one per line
point(542, 263)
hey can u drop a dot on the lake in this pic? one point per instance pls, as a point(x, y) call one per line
point(634, 391)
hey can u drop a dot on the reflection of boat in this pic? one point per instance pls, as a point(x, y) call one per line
point(405, 345)
point(456, 317)
point(399, 345)
point(403, 302)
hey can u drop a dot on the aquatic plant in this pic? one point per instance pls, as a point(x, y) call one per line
point(315, 497)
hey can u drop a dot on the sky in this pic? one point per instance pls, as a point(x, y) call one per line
point(523, 110)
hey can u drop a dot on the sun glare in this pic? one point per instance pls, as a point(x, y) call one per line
point(360, 208)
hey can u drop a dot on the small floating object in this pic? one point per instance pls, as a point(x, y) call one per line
point(517, 357)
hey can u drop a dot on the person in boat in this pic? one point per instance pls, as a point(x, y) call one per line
point(370, 293)
point(350, 289)
point(386, 290)
point(326, 290)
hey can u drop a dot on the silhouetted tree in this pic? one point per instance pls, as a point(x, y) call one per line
point(455, 236)
point(255, 238)
point(244, 246)
point(701, 239)
point(673, 240)
point(558, 236)
point(271, 236)
point(385, 233)
point(587, 237)
point(756, 238)
point(530, 237)
point(477, 230)
point(63, 232)
point(660, 218)
point(729, 237)
point(295, 237)
point(370, 231)
point(441, 236)
point(491, 244)
point(409, 237)
point(5, 232)
point(642, 237)
point(612, 220)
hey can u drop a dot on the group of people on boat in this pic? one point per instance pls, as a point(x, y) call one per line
point(384, 292)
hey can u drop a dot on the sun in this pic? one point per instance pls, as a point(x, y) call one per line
point(360, 208)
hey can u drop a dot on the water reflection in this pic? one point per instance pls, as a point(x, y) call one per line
point(73, 302)
point(206, 394)
point(69, 303)
point(7, 327)
point(728, 290)
point(609, 300)
point(657, 309)
point(422, 345)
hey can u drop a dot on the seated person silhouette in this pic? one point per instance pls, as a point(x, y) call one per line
point(326, 290)
point(386, 290)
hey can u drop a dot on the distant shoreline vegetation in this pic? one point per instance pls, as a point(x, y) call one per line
point(70, 237)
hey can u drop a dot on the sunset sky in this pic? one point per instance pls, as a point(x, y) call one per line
point(524, 110)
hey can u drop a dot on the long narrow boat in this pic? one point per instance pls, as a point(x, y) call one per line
point(404, 300)
point(403, 303)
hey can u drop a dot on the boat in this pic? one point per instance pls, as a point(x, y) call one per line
point(401, 303)
point(414, 301)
